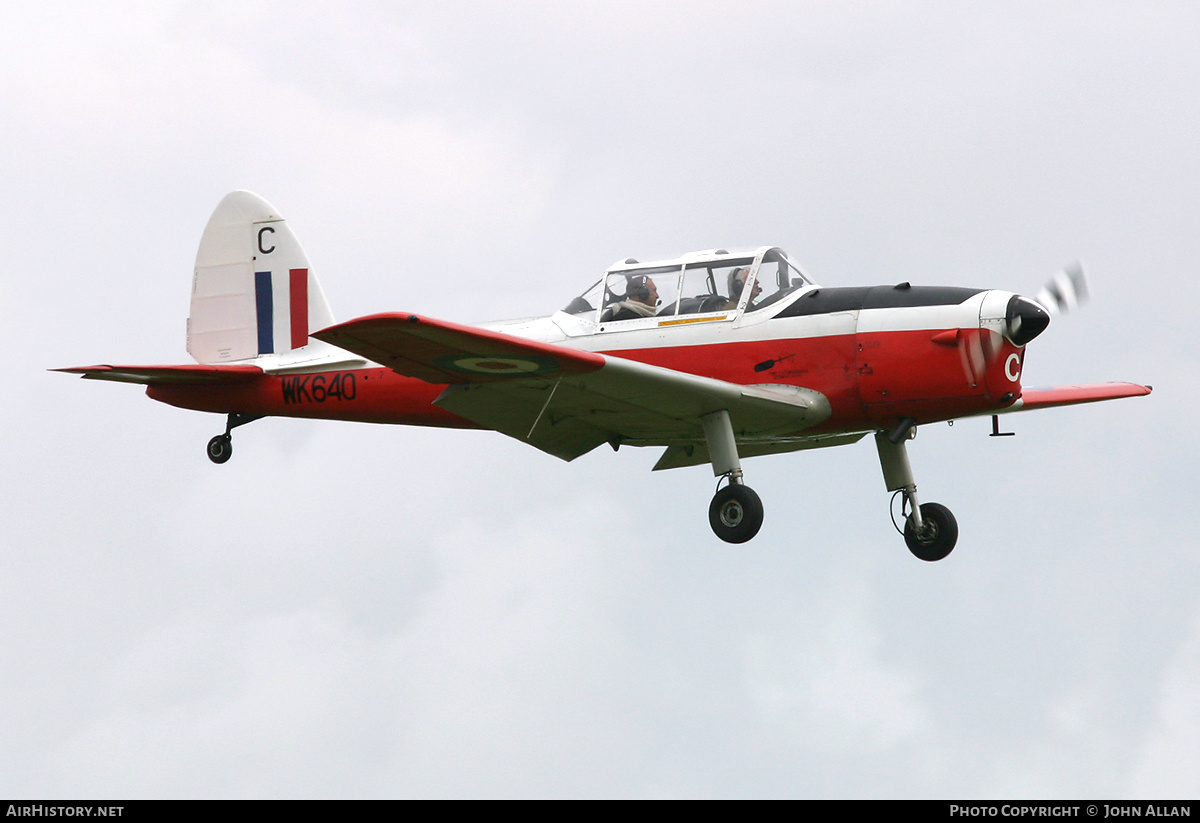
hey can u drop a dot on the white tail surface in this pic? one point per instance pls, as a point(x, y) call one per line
point(253, 292)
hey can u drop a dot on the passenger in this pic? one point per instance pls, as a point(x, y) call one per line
point(641, 300)
point(737, 282)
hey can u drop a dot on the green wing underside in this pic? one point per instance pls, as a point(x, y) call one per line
point(634, 404)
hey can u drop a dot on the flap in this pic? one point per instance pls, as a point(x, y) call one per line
point(696, 454)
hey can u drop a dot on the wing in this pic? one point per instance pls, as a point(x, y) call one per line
point(1072, 395)
point(438, 351)
point(567, 401)
point(696, 454)
point(177, 375)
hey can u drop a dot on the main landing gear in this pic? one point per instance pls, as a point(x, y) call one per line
point(930, 530)
point(220, 448)
point(736, 513)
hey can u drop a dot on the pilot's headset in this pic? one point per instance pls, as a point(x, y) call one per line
point(638, 289)
point(735, 284)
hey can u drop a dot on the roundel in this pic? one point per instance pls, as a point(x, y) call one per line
point(500, 365)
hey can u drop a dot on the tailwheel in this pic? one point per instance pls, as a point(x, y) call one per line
point(220, 448)
point(736, 513)
point(937, 535)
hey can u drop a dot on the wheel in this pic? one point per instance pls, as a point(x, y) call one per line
point(939, 535)
point(220, 448)
point(736, 513)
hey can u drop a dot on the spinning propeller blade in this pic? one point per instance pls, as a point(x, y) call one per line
point(1065, 291)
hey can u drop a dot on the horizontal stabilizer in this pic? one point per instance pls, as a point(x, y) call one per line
point(176, 375)
point(1073, 395)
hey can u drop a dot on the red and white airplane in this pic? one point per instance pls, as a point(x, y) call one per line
point(715, 356)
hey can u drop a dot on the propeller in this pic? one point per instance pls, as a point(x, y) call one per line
point(1065, 291)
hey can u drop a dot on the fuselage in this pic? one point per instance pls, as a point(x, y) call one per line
point(877, 354)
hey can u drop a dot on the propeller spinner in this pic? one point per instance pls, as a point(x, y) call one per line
point(1024, 320)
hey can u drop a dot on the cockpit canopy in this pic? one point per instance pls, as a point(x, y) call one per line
point(712, 284)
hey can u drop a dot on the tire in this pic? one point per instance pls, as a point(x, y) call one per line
point(938, 537)
point(735, 514)
point(220, 448)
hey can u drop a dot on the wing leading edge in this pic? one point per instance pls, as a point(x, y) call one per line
point(568, 401)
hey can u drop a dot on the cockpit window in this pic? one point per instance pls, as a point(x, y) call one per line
point(587, 302)
point(777, 278)
point(713, 286)
point(642, 293)
point(704, 286)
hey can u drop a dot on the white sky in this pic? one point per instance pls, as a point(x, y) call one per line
point(349, 610)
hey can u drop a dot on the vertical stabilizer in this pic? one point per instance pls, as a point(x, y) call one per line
point(253, 291)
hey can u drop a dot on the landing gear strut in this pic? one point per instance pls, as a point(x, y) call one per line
point(736, 513)
point(220, 448)
point(930, 530)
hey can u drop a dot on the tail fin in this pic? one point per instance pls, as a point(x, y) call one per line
point(253, 292)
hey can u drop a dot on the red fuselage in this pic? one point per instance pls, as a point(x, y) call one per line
point(872, 375)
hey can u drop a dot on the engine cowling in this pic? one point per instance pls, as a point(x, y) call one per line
point(1007, 322)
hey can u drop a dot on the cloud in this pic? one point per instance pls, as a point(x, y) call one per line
point(367, 610)
point(1162, 763)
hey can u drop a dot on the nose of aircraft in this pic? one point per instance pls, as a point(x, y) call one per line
point(1025, 320)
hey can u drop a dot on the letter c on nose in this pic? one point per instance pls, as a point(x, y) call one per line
point(1013, 360)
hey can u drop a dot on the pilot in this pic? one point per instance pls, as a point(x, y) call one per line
point(641, 299)
point(737, 282)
